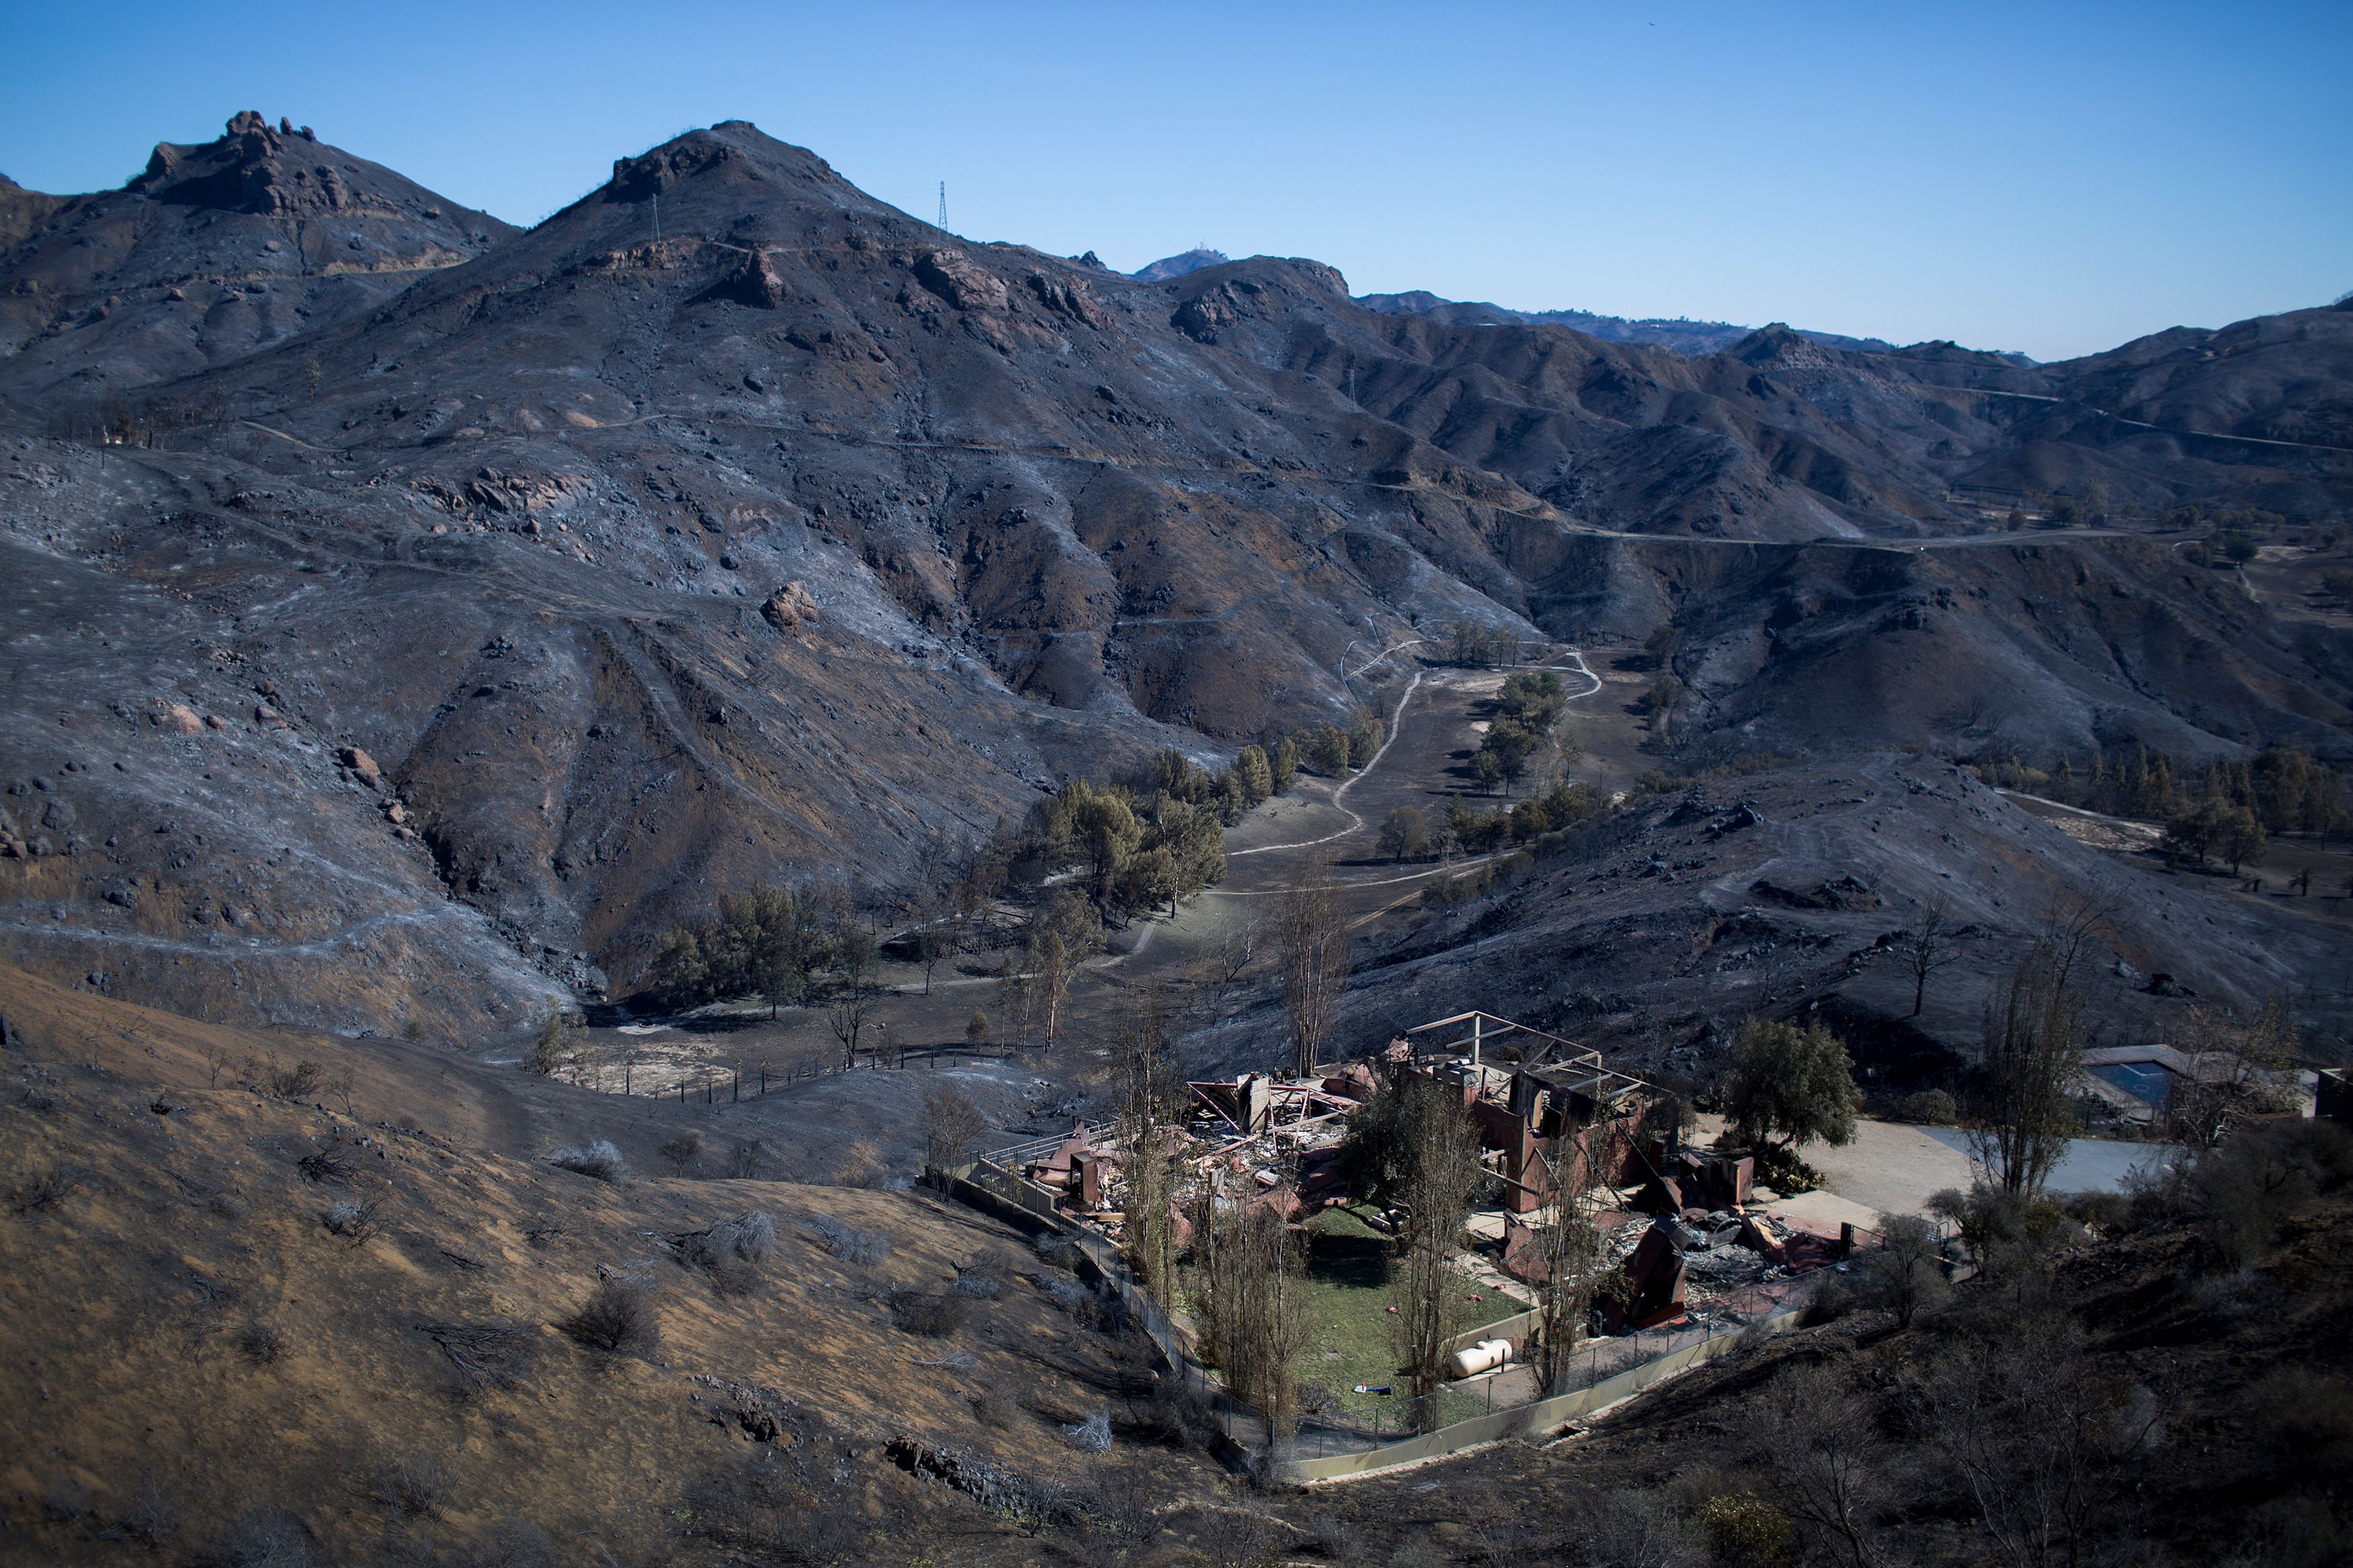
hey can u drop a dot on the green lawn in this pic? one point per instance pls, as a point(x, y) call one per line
point(1349, 1325)
point(1348, 1340)
point(1348, 1311)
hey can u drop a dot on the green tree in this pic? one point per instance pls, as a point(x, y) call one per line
point(1404, 834)
point(1148, 879)
point(1462, 822)
point(1328, 751)
point(680, 976)
point(1099, 827)
point(1666, 694)
point(1257, 774)
point(1282, 764)
point(1792, 1084)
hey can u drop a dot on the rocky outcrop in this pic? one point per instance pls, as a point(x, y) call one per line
point(960, 281)
point(790, 605)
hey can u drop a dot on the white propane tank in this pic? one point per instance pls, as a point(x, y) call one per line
point(1485, 1356)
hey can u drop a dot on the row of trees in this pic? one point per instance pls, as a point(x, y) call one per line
point(784, 944)
point(1409, 834)
point(1475, 646)
point(2283, 788)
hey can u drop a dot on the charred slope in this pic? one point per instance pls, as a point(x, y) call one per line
point(2041, 646)
point(776, 533)
point(1655, 933)
point(214, 250)
point(2277, 378)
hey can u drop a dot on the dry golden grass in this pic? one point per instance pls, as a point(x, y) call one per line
point(177, 1306)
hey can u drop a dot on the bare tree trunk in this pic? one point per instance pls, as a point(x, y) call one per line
point(1250, 1305)
point(1313, 937)
point(1441, 1170)
point(2033, 1056)
point(1570, 1247)
point(1150, 1133)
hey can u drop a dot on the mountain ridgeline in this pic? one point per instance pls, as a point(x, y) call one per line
point(444, 611)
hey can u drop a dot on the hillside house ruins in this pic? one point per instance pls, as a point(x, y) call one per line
point(1678, 1223)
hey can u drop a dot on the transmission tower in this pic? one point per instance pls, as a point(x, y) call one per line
point(943, 204)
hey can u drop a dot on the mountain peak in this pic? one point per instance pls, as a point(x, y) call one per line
point(1192, 260)
point(732, 152)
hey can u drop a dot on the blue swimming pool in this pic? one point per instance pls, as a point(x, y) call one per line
point(2144, 1081)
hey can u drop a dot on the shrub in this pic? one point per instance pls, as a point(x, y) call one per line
point(355, 1222)
point(731, 1253)
point(1782, 1171)
point(618, 1317)
point(1905, 1274)
point(1930, 1107)
point(2109, 1214)
point(599, 1161)
point(921, 1312)
point(265, 1343)
point(1092, 1435)
point(1058, 1249)
point(266, 1538)
point(154, 1515)
point(2245, 1191)
point(298, 1082)
point(861, 1166)
point(979, 1285)
point(863, 1248)
point(484, 1356)
point(2306, 1416)
point(753, 1236)
point(45, 1190)
point(419, 1486)
point(683, 1153)
point(1179, 1415)
point(1070, 1296)
point(1745, 1527)
point(324, 1166)
point(1833, 1299)
point(995, 1405)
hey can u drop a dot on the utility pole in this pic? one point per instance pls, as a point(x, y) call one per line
point(944, 205)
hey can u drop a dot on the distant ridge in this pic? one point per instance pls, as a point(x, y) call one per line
point(1682, 335)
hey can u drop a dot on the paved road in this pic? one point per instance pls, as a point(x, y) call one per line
point(2090, 1164)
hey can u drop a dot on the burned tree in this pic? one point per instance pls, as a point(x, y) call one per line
point(1313, 934)
point(1150, 1133)
point(952, 1125)
point(1925, 949)
point(856, 995)
point(2033, 1055)
point(1249, 1301)
point(1568, 1249)
point(1439, 1171)
point(2237, 1072)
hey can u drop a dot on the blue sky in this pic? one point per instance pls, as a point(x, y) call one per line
point(2051, 178)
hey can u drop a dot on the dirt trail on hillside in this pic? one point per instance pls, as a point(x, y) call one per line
point(1416, 766)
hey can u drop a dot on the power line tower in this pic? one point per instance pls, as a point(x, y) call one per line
point(944, 205)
